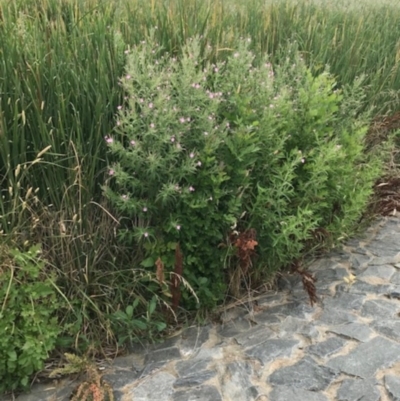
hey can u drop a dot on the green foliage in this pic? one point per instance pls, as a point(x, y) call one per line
point(127, 324)
point(28, 321)
point(201, 149)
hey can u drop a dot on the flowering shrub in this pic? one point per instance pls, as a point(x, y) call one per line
point(204, 149)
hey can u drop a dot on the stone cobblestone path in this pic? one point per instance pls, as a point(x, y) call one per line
point(344, 348)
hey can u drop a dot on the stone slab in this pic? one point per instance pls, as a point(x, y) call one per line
point(327, 347)
point(255, 336)
point(380, 308)
point(202, 393)
point(235, 381)
point(355, 331)
point(286, 393)
point(195, 379)
point(358, 389)
point(162, 355)
point(392, 385)
point(365, 360)
point(273, 349)
point(157, 387)
point(333, 316)
point(291, 326)
point(389, 328)
point(384, 272)
point(344, 301)
point(305, 374)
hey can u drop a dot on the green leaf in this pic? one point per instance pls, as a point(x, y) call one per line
point(129, 311)
point(152, 305)
point(149, 262)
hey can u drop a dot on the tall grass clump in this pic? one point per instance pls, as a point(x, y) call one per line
point(61, 62)
point(353, 38)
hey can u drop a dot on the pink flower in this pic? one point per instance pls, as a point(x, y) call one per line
point(119, 107)
point(172, 139)
point(145, 209)
point(109, 139)
point(128, 77)
point(303, 160)
point(216, 69)
point(118, 123)
point(191, 189)
point(150, 105)
point(182, 120)
point(199, 163)
point(124, 197)
point(146, 234)
point(152, 125)
point(133, 143)
point(191, 155)
point(111, 172)
point(178, 227)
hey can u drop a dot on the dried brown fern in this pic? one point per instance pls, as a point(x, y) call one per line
point(308, 281)
point(93, 388)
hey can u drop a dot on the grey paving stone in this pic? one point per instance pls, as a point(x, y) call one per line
point(387, 247)
point(383, 272)
point(367, 358)
point(389, 328)
point(325, 263)
point(285, 393)
point(385, 260)
point(392, 384)
point(209, 354)
point(345, 301)
point(255, 336)
point(235, 381)
point(359, 261)
point(151, 368)
point(265, 317)
point(327, 347)
point(380, 308)
point(396, 278)
point(194, 337)
point(325, 278)
point(287, 282)
point(333, 316)
point(361, 287)
point(306, 375)
point(358, 389)
point(191, 366)
point(157, 387)
point(118, 395)
point(121, 378)
point(355, 331)
point(273, 349)
point(294, 309)
point(166, 343)
point(292, 325)
point(202, 393)
point(162, 355)
point(195, 379)
point(234, 328)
